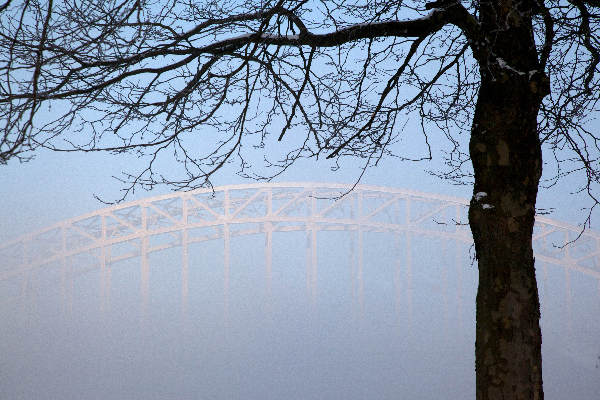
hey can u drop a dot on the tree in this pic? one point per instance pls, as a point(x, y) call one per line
point(200, 81)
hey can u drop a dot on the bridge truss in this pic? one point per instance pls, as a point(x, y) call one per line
point(139, 228)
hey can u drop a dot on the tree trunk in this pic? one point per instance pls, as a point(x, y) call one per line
point(507, 160)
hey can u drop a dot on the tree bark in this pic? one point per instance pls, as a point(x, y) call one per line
point(508, 166)
point(507, 160)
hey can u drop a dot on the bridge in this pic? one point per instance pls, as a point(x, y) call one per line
point(406, 224)
point(138, 228)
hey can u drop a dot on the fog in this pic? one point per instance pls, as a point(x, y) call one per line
point(397, 325)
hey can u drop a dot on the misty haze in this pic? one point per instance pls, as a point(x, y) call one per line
point(276, 291)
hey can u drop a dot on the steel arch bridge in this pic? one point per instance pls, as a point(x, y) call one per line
point(87, 259)
point(138, 228)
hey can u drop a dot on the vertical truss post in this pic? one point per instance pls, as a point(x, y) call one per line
point(63, 270)
point(66, 275)
point(397, 275)
point(598, 291)
point(23, 297)
point(313, 262)
point(24, 258)
point(569, 296)
point(103, 272)
point(185, 256)
point(108, 255)
point(25, 284)
point(26, 281)
point(26, 274)
point(545, 277)
point(312, 233)
point(307, 259)
point(459, 273)
point(226, 253)
point(104, 293)
point(597, 263)
point(360, 255)
point(445, 285)
point(398, 263)
point(145, 268)
point(569, 293)
point(408, 255)
point(268, 227)
point(354, 257)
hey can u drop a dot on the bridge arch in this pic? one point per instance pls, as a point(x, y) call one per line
point(138, 228)
point(177, 221)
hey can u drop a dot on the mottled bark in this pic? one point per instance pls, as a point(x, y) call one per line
point(508, 165)
point(507, 160)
